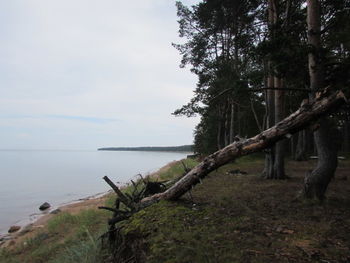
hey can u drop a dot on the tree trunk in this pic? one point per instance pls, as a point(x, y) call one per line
point(232, 121)
point(316, 182)
point(292, 124)
point(239, 121)
point(268, 172)
point(227, 124)
point(255, 116)
point(280, 147)
point(346, 136)
point(300, 153)
point(293, 145)
point(218, 137)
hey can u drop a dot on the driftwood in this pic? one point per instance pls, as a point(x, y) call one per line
point(140, 189)
point(121, 246)
point(308, 113)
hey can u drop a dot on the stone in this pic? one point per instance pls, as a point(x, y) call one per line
point(14, 229)
point(44, 206)
point(26, 229)
point(56, 211)
point(5, 238)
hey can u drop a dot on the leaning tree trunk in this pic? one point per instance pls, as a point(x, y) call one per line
point(309, 112)
point(317, 181)
point(297, 121)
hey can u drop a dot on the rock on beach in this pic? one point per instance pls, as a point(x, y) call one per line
point(14, 229)
point(44, 206)
point(56, 211)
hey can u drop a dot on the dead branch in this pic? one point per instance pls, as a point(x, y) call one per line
point(126, 201)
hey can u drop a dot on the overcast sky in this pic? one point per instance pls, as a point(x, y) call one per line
point(83, 74)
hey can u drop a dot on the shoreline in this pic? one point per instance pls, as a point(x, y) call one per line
point(30, 229)
point(32, 218)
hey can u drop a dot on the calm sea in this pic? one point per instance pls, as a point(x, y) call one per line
point(29, 178)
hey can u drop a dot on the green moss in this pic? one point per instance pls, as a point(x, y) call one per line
point(181, 232)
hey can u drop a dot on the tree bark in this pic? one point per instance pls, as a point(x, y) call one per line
point(316, 182)
point(292, 145)
point(268, 172)
point(346, 136)
point(255, 116)
point(219, 131)
point(227, 124)
point(239, 120)
point(297, 121)
point(300, 153)
point(232, 121)
point(280, 147)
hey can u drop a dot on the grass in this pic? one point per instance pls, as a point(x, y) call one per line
point(66, 238)
point(244, 218)
point(74, 238)
point(176, 170)
point(87, 251)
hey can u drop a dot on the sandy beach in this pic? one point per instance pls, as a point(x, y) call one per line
point(30, 230)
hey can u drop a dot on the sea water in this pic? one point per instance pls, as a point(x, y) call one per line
point(29, 178)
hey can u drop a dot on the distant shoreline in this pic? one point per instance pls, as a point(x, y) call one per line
point(182, 148)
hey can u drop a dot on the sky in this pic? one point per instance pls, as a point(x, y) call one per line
point(85, 74)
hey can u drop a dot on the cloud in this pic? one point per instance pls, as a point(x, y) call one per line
point(70, 67)
point(90, 119)
point(23, 135)
point(82, 118)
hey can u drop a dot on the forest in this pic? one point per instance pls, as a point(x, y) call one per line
point(256, 61)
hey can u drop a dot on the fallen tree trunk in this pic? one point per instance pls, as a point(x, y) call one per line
point(307, 113)
point(304, 116)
